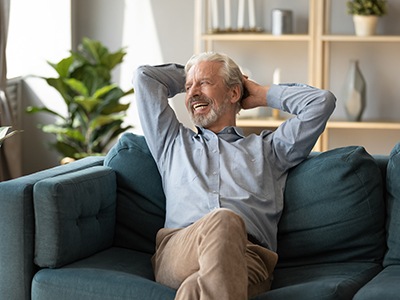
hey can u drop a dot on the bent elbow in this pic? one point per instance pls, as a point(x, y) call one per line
point(139, 73)
point(329, 100)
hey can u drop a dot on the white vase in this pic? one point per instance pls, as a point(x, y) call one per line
point(354, 92)
point(365, 25)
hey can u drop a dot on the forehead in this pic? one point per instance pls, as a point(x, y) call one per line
point(204, 69)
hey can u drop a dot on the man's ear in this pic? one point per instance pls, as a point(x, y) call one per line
point(235, 94)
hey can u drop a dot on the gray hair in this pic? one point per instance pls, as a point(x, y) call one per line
point(230, 71)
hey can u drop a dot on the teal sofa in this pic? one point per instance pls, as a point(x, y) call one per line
point(86, 230)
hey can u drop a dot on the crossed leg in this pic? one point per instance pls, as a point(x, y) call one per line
point(212, 259)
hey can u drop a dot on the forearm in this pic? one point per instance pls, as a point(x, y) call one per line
point(301, 99)
point(170, 76)
point(312, 107)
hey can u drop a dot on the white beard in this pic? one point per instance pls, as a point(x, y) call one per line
point(205, 121)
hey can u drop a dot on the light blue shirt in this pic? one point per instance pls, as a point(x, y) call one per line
point(204, 171)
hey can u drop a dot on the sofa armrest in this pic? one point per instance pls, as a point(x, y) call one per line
point(74, 215)
point(17, 228)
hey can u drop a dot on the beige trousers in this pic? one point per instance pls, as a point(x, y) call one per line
point(212, 259)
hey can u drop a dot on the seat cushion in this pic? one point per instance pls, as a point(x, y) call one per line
point(384, 286)
point(335, 281)
point(140, 197)
point(334, 210)
point(115, 273)
point(392, 256)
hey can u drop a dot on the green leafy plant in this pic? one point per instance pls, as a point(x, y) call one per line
point(4, 134)
point(94, 111)
point(367, 7)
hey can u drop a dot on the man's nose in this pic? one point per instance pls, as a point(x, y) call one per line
point(194, 90)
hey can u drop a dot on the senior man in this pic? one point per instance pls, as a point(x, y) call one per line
point(224, 191)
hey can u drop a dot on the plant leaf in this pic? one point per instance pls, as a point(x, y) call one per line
point(105, 137)
point(92, 48)
point(116, 108)
point(104, 120)
point(61, 87)
point(63, 66)
point(36, 109)
point(71, 133)
point(88, 103)
point(114, 59)
point(77, 86)
point(104, 90)
point(111, 102)
point(66, 149)
point(3, 131)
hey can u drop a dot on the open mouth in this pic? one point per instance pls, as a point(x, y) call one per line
point(199, 106)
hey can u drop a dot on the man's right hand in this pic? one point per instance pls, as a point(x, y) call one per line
point(256, 95)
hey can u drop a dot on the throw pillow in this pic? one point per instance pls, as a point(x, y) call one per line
point(334, 210)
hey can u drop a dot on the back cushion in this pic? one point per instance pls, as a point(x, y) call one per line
point(334, 210)
point(393, 208)
point(140, 197)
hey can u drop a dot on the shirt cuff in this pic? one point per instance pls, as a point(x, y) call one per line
point(274, 96)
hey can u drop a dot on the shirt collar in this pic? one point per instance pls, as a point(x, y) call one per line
point(229, 133)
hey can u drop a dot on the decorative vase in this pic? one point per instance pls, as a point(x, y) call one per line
point(365, 25)
point(354, 92)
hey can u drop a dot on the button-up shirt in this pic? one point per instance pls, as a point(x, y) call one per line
point(202, 171)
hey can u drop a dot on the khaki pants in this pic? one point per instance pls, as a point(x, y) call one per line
point(212, 259)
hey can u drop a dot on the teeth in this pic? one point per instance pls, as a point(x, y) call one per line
point(196, 106)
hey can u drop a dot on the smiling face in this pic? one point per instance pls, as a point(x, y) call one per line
point(210, 103)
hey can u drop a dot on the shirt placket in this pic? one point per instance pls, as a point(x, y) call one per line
point(214, 176)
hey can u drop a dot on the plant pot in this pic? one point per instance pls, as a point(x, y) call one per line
point(67, 160)
point(365, 25)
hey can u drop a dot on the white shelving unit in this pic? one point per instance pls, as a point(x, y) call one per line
point(319, 41)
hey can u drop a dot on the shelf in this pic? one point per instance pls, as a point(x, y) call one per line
point(256, 37)
point(363, 125)
point(272, 123)
point(322, 144)
point(355, 39)
point(267, 123)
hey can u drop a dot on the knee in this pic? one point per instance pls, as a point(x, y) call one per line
point(227, 219)
point(225, 213)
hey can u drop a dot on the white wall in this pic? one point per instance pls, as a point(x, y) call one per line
point(39, 32)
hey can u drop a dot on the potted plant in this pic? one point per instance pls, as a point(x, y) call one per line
point(94, 112)
point(4, 135)
point(365, 15)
